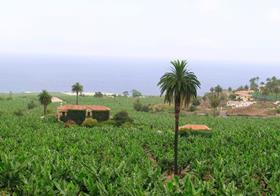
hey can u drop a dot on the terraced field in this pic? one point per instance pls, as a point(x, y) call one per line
point(41, 157)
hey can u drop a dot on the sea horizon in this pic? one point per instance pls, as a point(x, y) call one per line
point(22, 73)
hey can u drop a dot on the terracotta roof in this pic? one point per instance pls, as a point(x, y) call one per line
point(83, 107)
point(195, 127)
point(244, 93)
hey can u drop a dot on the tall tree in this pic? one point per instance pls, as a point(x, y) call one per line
point(218, 89)
point(254, 83)
point(45, 99)
point(77, 88)
point(136, 93)
point(179, 86)
point(215, 100)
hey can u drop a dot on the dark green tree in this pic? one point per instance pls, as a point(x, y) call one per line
point(78, 89)
point(136, 93)
point(179, 87)
point(45, 99)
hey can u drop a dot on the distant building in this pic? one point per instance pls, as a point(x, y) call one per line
point(244, 95)
point(79, 113)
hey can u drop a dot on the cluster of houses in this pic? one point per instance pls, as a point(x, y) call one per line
point(245, 99)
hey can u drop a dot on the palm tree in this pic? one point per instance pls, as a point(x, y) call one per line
point(179, 86)
point(45, 99)
point(77, 88)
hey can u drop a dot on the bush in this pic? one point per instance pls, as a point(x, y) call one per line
point(98, 95)
point(31, 105)
point(192, 108)
point(136, 93)
point(50, 119)
point(127, 125)
point(19, 112)
point(278, 110)
point(121, 118)
point(196, 102)
point(89, 122)
point(101, 115)
point(232, 97)
point(161, 107)
point(138, 106)
point(70, 123)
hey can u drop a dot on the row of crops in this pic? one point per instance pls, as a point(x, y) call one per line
point(39, 156)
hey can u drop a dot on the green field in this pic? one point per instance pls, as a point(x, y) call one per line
point(41, 157)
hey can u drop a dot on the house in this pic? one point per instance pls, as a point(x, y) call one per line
point(79, 113)
point(245, 95)
point(240, 104)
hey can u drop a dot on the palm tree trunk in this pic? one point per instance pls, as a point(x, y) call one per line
point(77, 98)
point(177, 115)
point(45, 110)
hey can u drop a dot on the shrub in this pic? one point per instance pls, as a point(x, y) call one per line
point(192, 108)
point(127, 125)
point(31, 105)
point(196, 102)
point(121, 118)
point(232, 97)
point(278, 110)
point(138, 106)
point(70, 123)
point(136, 93)
point(98, 95)
point(19, 112)
point(50, 119)
point(101, 115)
point(89, 122)
point(160, 107)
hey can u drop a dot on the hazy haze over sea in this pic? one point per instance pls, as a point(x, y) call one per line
point(56, 74)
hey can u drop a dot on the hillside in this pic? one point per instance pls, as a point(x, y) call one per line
point(41, 156)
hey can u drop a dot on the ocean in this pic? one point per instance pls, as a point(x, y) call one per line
point(20, 73)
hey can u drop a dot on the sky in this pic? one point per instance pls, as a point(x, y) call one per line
point(244, 31)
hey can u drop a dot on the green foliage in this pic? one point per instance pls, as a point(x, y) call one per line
point(19, 112)
point(69, 124)
point(45, 98)
point(196, 101)
point(214, 99)
point(136, 93)
point(98, 95)
point(101, 115)
point(161, 107)
point(122, 117)
point(192, 108)
point(38, 157)
point(78, 89)
point(89, 122)
point(138, 106)
point(232, 97)
point(179, 85)
point(31, 105)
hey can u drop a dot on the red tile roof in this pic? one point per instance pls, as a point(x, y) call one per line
point(83, 107)
point(194, 127)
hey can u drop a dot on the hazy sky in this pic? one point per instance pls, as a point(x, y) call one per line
point(246, 31)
